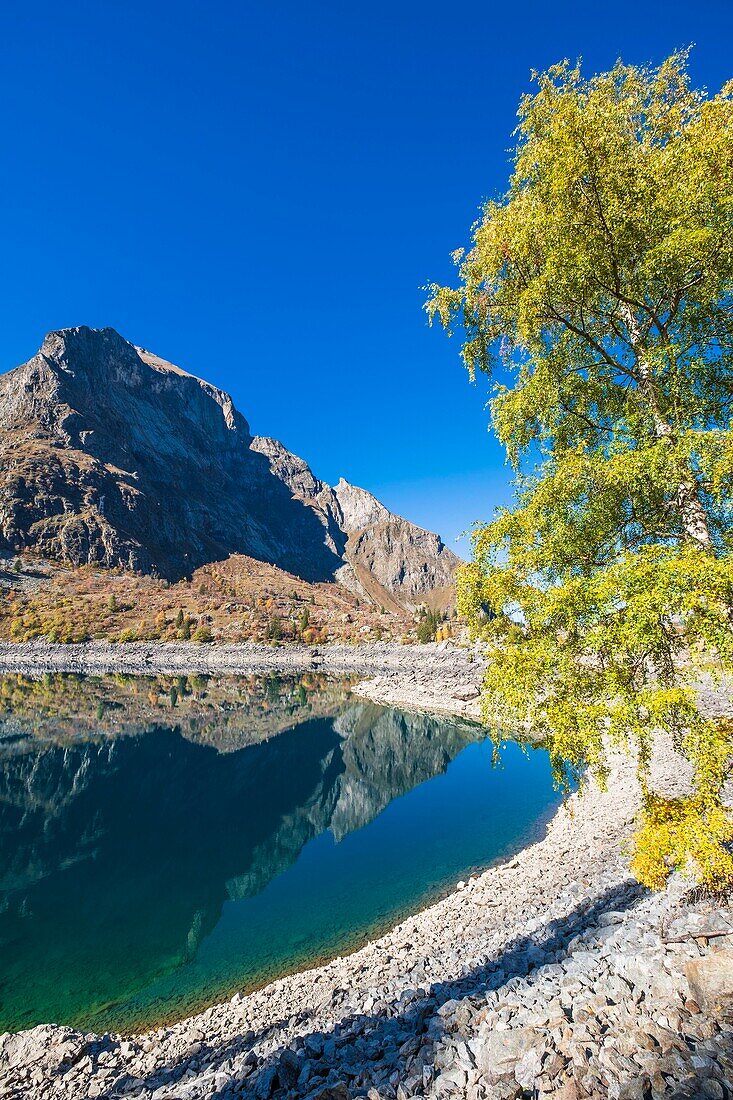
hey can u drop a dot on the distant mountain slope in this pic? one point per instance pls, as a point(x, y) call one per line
point(112, 456)
point(385, 556)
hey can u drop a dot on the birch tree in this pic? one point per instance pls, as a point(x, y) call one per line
point(598, 293)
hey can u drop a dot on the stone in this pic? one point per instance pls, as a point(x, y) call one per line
point(451, 1080)
point(498, 1052)
point(288, 1069)
point(264, 1084)
point(332, 1092)
point(529, 1067)
point(712, 1089)
point(711, 980)
point(567, 1091)
point(313, 1044)
point(466, 694)
point(631, 1089)
point(704, 926)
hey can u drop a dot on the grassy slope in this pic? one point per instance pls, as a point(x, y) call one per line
point(239, 599)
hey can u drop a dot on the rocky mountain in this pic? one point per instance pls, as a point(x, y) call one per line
point(112, 456)
point(385, 556)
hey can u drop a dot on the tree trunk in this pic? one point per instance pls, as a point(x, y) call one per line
point(691, 510)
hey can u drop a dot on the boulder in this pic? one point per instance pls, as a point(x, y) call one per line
point(711, 981)
point(332, 1092)
point(498, 1052)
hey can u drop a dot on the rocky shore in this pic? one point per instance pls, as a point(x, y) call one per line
point(438, 678)
point(443, 660)
point(553, 974)
point(447, 681)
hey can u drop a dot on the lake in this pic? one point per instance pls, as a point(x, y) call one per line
point(165, 841)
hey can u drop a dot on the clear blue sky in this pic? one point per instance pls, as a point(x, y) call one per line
point(259, 191)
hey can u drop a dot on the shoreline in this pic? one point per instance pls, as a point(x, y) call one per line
point(550, 971)
point(533, 835)
point(172, 658)
point(439, 677)
point(240, 657)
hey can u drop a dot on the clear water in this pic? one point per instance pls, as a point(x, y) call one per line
point(146, 873)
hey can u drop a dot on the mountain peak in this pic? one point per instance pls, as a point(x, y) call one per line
point(110, 455)
point(359, 507)
point(83, 343)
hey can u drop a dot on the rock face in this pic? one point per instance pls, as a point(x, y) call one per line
point(385, 555)
point(114, 457)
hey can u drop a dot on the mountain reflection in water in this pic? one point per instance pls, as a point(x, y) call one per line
point(134, 866)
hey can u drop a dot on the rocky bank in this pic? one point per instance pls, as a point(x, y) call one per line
point(437, 677)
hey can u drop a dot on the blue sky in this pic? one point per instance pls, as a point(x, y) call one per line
point(259, 191)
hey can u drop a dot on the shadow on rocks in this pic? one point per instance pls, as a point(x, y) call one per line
point(371, 1051)
point(168, 1077)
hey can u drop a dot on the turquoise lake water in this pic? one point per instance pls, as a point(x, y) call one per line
point(146, 873)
